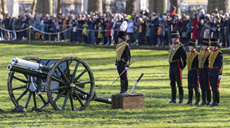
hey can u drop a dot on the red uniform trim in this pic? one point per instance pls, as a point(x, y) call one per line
point(218, 81)
point(197, 80)
point(207, 49)
point(193, 51)
point(177, 42)
point(216, 50)
point(180, 73)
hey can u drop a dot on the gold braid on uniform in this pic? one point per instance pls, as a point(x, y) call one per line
point(212, 59)
point(120, 49)
point(172, 52)
point(201, 50)
point(190, 58)
point(202, 57)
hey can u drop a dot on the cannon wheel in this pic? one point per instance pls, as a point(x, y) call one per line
point(75, 84)
point(17, 88)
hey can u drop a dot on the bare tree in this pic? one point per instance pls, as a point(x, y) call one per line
point(33, 7)
point(44, 6)
point(59, 6)
point(157, 6)
point(94, 5)
point(176, 3)
point(130, 6)
point(152, 6)
point(3, 7)
point(219, 4)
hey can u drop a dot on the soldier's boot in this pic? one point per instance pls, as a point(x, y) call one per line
point(217, 98)
point(122, 87)
point(197, 93)
point(173, 100)
point(203, 98)
point(181, 95)
point(126, 85)
point(208, 97)
point(190, 95)
point(214, 100)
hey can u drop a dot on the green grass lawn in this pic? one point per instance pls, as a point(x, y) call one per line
point(154, 84)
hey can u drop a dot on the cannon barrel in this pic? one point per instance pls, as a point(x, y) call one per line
point(26, 71)
point(103, 99)
point(29, 64)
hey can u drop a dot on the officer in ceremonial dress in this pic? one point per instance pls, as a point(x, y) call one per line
point(216, 68)
point(177, 62)
point(192, 64)
point(123, 57)
point(204, 72)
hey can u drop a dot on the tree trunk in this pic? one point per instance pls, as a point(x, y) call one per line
point(161, 6)
point(44, 7)
point(157, 6)
point(94, 5)
point(224, 5)
point(219, 4)
point(4, 6)
point(176, 3)
point(130, 6)
point(33, 7)
point(152, 6)
point(59, 7)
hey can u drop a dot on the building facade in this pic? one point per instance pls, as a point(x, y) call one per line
point(77, 6)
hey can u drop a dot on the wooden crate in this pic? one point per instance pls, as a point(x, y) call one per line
point(128, 101)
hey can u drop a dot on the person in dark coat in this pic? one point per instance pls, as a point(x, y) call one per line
point(123, 57)
point(216, 69)
point(184, 38)
point(153, 30)
point(193, 79)
point(177, 62)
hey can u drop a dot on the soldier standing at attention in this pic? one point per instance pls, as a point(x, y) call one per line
point(123, 57)
point(216, 68)
point(204, 72)
point(192, 64)
point(177, 62)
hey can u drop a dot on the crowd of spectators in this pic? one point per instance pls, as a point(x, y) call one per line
point(144, 28)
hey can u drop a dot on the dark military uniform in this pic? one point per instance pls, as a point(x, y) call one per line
point(193, 80)
point(204, 73)
point(216, 68)
point(177, 62)
point(122, 61)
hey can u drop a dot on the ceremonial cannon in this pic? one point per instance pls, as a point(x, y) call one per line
point(67, 83)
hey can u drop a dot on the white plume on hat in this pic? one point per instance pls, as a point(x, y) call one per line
point(123, 26)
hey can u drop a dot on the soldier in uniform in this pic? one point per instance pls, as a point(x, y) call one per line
point(204, 72)
point(123, 57)
point(216, 68)
point(177, 62)
point(192, 64)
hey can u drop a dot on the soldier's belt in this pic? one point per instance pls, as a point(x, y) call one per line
point(203, 67)
point(192, 69)
point(213, 67)
point(121, 60)
point(174, 61)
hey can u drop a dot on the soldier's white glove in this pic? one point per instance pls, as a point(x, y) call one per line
point(126, 68)
point(219, 77)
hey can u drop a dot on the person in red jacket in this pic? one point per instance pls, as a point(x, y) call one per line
point(109, 29)
point(195, 33)
point(173, 11)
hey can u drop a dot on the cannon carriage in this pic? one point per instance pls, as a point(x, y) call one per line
point(67, 83)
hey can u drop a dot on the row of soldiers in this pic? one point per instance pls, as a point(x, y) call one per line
point(204, 67)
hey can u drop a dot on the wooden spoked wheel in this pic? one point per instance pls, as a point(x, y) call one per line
point(70, 84)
